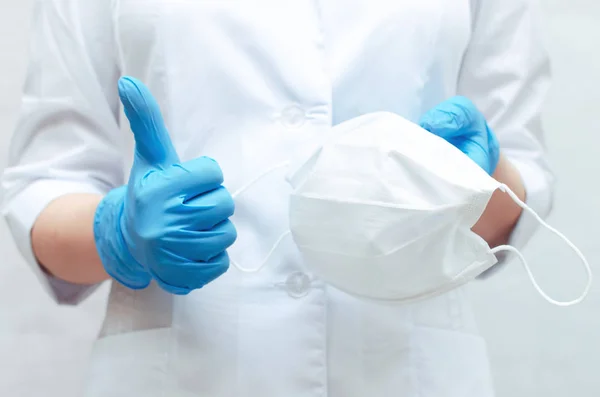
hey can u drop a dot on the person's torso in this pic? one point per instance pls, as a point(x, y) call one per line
point(249, 84)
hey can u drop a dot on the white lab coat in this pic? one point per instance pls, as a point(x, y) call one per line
point(247, 82)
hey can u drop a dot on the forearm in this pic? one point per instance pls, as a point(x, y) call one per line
point(63, 239)
point(501, 214)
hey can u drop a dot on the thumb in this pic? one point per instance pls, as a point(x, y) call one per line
point(153, 145)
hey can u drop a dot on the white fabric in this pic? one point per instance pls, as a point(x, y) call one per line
point(247, 83)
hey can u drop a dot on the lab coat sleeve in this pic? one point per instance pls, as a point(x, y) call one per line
point(506, 73)
point(67, 138)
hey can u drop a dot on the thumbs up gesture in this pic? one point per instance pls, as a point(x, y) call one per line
point(170, 222)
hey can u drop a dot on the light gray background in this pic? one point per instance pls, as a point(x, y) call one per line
point(536, 349)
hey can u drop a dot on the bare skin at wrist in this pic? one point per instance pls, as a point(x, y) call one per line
point(63, 239)
point(502, 213)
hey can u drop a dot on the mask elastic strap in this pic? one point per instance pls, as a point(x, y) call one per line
point(281, 237)
point(259, 177)
point(512, 249)
point(265, 261)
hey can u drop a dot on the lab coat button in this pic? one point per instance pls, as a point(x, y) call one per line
point(297, 285)
point(293, 116)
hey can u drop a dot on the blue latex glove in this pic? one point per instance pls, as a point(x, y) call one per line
point(458, 121)
point(170, 222)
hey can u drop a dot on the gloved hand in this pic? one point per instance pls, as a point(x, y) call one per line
point(170, 222)
point(458, 121)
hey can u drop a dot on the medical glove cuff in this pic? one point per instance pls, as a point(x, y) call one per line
point(112, 250)
point(494, 151)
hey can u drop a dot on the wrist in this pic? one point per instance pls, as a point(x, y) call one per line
point(501, 214)
point(110, 242)
point(508, 174)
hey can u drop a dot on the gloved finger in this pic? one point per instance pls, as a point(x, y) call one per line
point(205, 211)
point(199, 245)
point(454, 117)
point(154, 149)
point(189, 276)
point(194, 177)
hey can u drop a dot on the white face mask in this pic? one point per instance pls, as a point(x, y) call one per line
point(384, 210)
